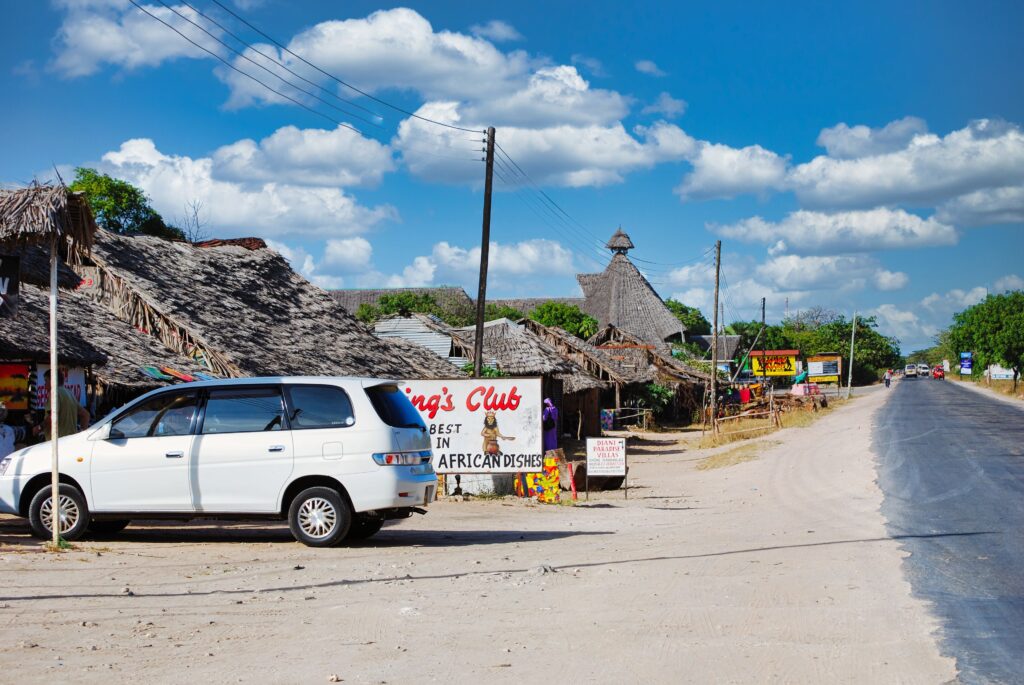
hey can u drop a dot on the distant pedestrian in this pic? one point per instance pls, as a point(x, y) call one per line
point(9, 435)
point(549, 422)
point(888, 377)
point(71, 416)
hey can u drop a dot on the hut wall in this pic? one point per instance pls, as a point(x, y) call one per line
point(586, 403)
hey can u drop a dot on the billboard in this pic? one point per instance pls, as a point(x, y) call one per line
point(482, 425)
point(824, 368)
point(966, 363)
point(74, 382)
point(774, 363)
point(14, 386)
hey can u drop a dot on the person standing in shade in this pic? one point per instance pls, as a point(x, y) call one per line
point(71, 416)
point(549, 421)
point(9, 435)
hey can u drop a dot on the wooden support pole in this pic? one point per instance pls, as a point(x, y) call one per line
point(714, 340)
point(485, 245)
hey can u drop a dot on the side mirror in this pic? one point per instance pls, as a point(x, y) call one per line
point(101, 433)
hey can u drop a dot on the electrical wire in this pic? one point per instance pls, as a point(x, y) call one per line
point(335, 78)
point(247, 75)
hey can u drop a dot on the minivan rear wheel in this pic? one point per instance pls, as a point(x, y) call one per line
point(319, 517)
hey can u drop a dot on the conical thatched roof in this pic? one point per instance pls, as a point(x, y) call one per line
point(39, 212)
point(620, 242)
point(622, 297)
point(244, 310)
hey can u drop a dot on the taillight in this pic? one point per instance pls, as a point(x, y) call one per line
point(401, 458)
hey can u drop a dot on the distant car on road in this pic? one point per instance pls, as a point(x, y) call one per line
point(939, 372)
point(923, 370)
point(910, 371)
point(335, 457)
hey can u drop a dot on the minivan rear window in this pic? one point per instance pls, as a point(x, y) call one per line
point(393, 407)
point(319, 406)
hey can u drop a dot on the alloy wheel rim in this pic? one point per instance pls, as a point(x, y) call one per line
point(317, 517)
point(67, 513)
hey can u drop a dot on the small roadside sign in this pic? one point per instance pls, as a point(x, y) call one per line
point(607, 457)
point(966, 363)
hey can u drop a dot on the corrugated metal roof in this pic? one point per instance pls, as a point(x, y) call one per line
point(417, 331)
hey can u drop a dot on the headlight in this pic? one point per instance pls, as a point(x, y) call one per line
point(4, 463)
point(402, 458)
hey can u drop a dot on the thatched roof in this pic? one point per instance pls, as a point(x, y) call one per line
point(39, 212)
point(596, 362)
point(427, 364)
point(620, 242)
point(632, 351)
point(88, 335)
point(244, 310)
point(622, 297)
point(451, 299)
point(518, 351)
point(728, 345)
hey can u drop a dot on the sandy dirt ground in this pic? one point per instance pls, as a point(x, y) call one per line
point(773, 570)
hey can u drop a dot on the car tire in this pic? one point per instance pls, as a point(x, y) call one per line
point(74, 518)
point(107, 527)
point(319, 517)
point(365, 526)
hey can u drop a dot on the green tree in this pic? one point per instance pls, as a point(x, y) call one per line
point(691, 317)
point(567, 317)
point(501, 311)
point(993, 330)
point(121, 207)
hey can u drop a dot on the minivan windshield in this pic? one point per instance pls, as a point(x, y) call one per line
point(394, 408)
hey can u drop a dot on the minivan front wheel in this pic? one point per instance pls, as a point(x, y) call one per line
point(72, 513)
point(319, 517)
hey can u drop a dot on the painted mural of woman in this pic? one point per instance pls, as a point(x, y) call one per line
point(491, 434)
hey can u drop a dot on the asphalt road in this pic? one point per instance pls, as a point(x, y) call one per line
point(952, 470)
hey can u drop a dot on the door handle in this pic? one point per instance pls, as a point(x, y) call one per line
point(276, 448)
point(174, 455)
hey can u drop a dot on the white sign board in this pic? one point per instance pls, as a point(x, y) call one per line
point(998, 373)
point(74, 382)
point(606, 457)
point(482, 425)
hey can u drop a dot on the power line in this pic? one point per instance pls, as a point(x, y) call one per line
point(233, 67)
point(335, 78)
point(264, 68)
point(272, 59)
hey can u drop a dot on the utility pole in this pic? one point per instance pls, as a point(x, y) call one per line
point(764, 357)
point(714, 341)
point(849, 374)
point(485, 245)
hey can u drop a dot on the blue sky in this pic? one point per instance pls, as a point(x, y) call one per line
point(861, 157)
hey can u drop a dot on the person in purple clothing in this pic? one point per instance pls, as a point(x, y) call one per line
point(549, 421)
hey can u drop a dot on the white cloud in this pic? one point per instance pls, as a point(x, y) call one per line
point(269, 209)
point(720, 171)
point(552, 96)
point(507, 263)
point(847, 272)
point(348, 254)
point(903, 324)
point(99, 32)
point(1009, 282)
point(573, 156)
point(985, 207)
point(646, 66)
point(666, 105)
point(850, 142)
point(304, 264)
point(304, 157)
point(591, 64)
point(930, 169)
point(953, 301)
point(496, 30)
point(856, 231)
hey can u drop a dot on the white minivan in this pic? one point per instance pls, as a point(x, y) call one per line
point(336, 457)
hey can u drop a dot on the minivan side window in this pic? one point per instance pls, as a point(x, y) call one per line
point(393, 407)
point(319, 406)
point(161, 416)
point(243, 410)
